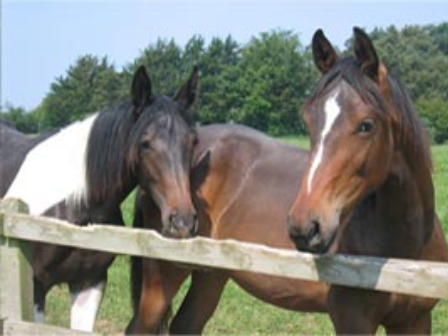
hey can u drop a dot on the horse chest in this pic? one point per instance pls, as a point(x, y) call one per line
point(371, 231)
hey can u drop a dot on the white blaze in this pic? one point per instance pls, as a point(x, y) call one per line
point(54, 170)
point(332, 110)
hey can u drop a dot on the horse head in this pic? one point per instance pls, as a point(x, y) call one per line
point(161, 145)
point(353, 125)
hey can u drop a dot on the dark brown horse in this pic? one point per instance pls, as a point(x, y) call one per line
point(243, 184)
point(367, 188)
point(83, 172)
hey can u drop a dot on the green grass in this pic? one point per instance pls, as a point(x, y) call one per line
point(303, 142)
point(238, 312)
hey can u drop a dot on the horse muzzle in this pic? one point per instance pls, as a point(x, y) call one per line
point(180, 225)
point(310, 236)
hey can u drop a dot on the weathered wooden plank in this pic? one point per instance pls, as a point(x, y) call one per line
point(11, 327)
point(16, 286)
point(402, 276)
point(13, 205)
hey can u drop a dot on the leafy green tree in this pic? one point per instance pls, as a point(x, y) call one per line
point(276, 75)
point(439, 34)
point(163, 61)
point(192, 55)
point(219, 74)
point(107, 87)
point(19, 118)
point(262, 84)
point(90, 84)
point(434, 111)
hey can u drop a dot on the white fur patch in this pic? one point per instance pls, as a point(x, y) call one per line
point(54, 170)
point(332, 110)
point(85, 306)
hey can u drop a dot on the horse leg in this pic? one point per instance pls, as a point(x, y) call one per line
point(44, 257)
point(161, 282)
point(85, 305)
point(419, 326)
point(200, 302)
point(136, 290)
point(354, 311)
point(40, 293)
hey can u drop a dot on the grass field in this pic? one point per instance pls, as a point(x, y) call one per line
point(239, 313)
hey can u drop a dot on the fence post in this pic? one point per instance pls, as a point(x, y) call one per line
point(16, 275)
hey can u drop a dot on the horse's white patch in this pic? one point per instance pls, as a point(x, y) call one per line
point(85, 306)
point(38, 315)
point(54, 170)
point(332, 110)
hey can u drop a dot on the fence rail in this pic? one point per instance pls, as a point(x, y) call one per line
point(402, 276)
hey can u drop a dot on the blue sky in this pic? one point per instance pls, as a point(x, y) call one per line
point(41, 39)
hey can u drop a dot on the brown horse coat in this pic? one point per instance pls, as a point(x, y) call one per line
point(243, 183)
point(368, 187)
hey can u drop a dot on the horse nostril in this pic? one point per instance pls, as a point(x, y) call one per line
point(173, 217)
point(195, 224)
point(293, 234)
point(313, 231)
point(306, 236)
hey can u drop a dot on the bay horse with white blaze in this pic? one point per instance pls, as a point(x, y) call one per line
point(83, 172)
point(243, 184)
point(367, 188)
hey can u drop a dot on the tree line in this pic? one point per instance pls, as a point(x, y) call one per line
point(262, 84)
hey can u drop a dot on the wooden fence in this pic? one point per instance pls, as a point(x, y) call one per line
point(16, 227)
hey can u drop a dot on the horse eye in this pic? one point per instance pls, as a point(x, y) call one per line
point(366, 126)
point(145, 145)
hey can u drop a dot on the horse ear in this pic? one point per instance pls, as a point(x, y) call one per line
point(383, 83)
point(366, 54)
point(141, 88)
point(323, 52)
point(187, 94)
point(368, 59)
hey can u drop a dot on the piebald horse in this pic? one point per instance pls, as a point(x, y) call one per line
point(83, 172)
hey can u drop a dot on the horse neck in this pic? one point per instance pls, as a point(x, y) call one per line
point(102, 208)
point(113, 197)
point(109, 176)
point(405, 208)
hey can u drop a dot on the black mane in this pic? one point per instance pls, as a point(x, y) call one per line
point(106, 171)
point(112, 149)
